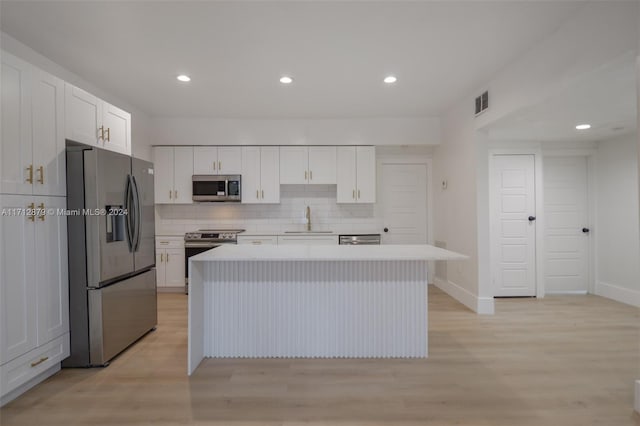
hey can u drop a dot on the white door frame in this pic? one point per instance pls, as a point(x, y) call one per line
point(539, 200)
point(402, 159)
point(589, 153)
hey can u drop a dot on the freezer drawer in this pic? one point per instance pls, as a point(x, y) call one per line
point(120, 314)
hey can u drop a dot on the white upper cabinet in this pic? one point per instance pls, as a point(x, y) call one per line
point(32, 159)
point(229, 160)
point(294, 165)
point(270, 174)
point(16, 165)
point(173, 169)
point(366, 174)
point(308, 165)
point(260, 175)
point(183, 171)
point(322, 165)
point(163, 174)
point(116, 125)
point(356, 174)
point(83, 116)
point(217, 160)
point(48, 135)
point(205, 160)
point(92, 121)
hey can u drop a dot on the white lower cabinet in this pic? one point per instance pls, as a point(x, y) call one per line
point(257, 240)
point(170, 262)
point(34, 289)
point(308, 240)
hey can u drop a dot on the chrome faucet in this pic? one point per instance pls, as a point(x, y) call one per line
point(308, 216)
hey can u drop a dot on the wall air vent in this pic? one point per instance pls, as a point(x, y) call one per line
point(482, 103)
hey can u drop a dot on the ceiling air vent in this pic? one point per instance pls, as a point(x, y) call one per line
point(482, 102)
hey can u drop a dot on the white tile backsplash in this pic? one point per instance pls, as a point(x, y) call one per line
point(326, 214)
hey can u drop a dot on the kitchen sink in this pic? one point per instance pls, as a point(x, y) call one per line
point(308, 232)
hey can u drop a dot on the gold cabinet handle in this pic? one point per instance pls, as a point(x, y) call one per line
point(310, 174)
point(41, 215)
point(32, 208)
point(170, 194)
point(219, 166)
point(108, 134)
point(30, 178)
point(305, 175)
point(353, 195)
point(257, 193)
point(256, 242)
point(358, 194)
point(167, 257)
point(41, 171)
point(175, 194)
point(214, 166)
point(161, 257)
point(263, 193)
point(101, 136)
point(40, 361)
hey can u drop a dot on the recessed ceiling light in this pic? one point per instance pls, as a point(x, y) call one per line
point(390, 79)
point(286, 79)
point(184, 78)
point(583, 126)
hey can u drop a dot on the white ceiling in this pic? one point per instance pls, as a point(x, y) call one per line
point(337, 52)
point(606, 99)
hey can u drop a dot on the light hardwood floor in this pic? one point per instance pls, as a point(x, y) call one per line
point(562, 360)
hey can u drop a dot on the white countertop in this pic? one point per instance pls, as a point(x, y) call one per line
point(328, 252)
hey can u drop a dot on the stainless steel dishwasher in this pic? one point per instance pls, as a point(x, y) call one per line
point(359, 239)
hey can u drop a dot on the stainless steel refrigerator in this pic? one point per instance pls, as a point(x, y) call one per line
point(112, 276)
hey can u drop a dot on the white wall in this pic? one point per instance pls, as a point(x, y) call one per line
point(140, 124)
point(599, 33)
point(355, 131)
point(617, 229)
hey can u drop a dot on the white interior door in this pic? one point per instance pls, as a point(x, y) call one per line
point(513, 225)
point(404, 203)
point(566, 214)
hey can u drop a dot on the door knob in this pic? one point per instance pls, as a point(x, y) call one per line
point(585, 230)
point(386, 229)
point(532, 218)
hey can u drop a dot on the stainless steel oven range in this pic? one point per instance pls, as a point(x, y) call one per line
point(203, 240)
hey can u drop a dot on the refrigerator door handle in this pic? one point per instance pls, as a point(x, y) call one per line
point(137, 208)
point(128, 206)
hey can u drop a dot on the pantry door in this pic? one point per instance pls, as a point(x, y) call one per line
point(566, 224)
point(513, 225)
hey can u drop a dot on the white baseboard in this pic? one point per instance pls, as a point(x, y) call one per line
point(559, 292)
point(480, 305)
point(619, 294)
point(637, 399)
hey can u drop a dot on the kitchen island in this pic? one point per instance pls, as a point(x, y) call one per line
point(310, 301)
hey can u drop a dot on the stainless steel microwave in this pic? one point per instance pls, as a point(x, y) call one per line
point(216, 188)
